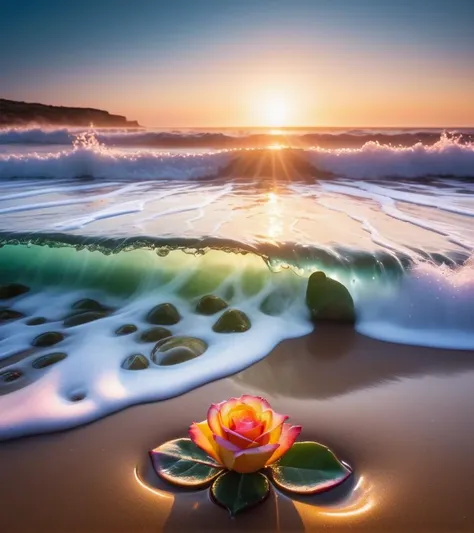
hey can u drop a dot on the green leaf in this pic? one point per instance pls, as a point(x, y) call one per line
point(308, 468)
point(237, 492)
point(181, 462)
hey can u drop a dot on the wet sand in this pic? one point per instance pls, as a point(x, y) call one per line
point(400, 415)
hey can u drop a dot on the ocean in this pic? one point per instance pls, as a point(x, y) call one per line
point(130, 219)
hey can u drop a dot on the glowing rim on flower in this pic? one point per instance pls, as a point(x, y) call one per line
point(242, 445)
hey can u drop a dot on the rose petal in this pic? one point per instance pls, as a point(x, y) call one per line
point(227, 451)
point(213, 419)
point(288, 436)
point(238, 440)
point(253, 459)
point(273, 432)
point(226, 407)
point(257, 402)
point(201, 435)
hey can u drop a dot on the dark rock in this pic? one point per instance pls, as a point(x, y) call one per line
point(89, 305)
point(83, 318)
point(136, 361)
point(36, 321)
point(210, 305)
point(155, 334)
point(232, 321)
point(48, 339)
point(49, 359)
point(12, 290)
point(126, 329)
point(164, 314)
point(10, 314)
point(177, 350)
point(327, 299)
point(16, 113)
point(8, 376)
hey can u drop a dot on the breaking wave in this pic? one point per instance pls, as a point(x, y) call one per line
point(90, 158)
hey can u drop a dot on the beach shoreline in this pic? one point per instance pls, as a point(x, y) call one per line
point(394, 412)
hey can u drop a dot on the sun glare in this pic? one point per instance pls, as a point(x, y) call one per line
point(275, 111)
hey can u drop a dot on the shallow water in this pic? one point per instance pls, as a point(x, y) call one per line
point(136, 227)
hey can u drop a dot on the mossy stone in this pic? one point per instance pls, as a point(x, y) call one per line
point(36, 321)
point(232, 321)
point(164, 314)
point(87, 304)
point(10, 314)
point(210, 305)
point(329, 300)
point(48, 339)
point(177, 350)
point(12, 290)
point(275, 303)
point(83, 318)
point(49, 359)
point(155, 334)
point(136, 361)
point(8, 376)
point(126, 329)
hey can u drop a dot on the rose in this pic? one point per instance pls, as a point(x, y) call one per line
point(244, 434)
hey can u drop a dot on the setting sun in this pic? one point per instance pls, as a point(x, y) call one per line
point(275, 111)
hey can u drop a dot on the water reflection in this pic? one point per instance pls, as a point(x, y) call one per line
point(336, 360)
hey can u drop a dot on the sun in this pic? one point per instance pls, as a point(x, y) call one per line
point(275, 111)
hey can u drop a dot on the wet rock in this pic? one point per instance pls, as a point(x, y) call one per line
point(36, 321)
point(210, 305)
point(49, 359)
point(10, 314)
point(83, 318)
point(126, 329)
point(232, 321)
point(177, 350)
point(48, 339)
point(164, 314)
point(136, 361)
point(12, 290)
point(327, 299)
point(155, 334)
point(88, 304)
point(8, 376)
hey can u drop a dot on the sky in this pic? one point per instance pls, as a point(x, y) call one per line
point(241, 63)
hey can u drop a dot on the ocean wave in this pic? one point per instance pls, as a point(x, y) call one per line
point(230, 139)
point(89, 158)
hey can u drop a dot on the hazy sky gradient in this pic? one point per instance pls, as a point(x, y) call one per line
point(245, 63)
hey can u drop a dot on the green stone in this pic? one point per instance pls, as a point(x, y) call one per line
point(87, 304)
point(210, 305)
point(12, 290)
point(164, 314)
point(126, 329)
point(10, 314)
point(83, 318)
point(136, 361)
point(329, 300)
point(48, 339)
point(8, 376)
point(49, 359)
point(232, 321)
point(36, 321)
point(175, 350)
point(155, 334)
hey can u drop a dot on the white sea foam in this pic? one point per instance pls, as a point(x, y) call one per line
point(89, 157)
point(95, 353)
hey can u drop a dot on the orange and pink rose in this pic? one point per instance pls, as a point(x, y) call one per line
point(244, 434)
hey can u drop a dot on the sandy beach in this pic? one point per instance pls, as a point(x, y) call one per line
point(398, 414)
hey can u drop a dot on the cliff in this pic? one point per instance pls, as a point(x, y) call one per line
point(13, 113)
